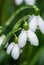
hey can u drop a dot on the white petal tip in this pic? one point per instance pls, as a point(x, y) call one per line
point(10, 47)
point(35, 44)
point(15, 52)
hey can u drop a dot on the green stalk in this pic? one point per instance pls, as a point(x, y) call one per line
point(9, 21)
point(19, 10)
point(7, 38)
point(15, 13)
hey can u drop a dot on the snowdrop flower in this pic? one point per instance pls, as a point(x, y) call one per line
point(2, 37)
point(28, 2)
point(14, 50)
point(18, 2)
point(35, 23)
point(27, 33)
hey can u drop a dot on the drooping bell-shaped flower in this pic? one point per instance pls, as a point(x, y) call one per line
point(14, 50)
point(2, 37)
point(28, 2)
point(10, 46)
point(27, 33)
point(35, 23)
point(22, 39)
point(18, 2)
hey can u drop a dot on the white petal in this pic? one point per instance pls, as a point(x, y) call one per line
point(15, 52)
point(41, 24)
point(32, 38)
point(10, 47)
point(31, 17)
point(22, 39)
point(33, 24)
point(30, 2)
point(18, 2)
point(1, 39)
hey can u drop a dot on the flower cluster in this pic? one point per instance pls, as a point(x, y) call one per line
point(14, 50)
point(27, 33)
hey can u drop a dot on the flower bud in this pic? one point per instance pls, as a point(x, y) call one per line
point(25, 25)
point(37, 10)
point(16, 39)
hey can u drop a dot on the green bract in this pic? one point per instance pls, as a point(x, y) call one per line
point(16, 39)
point(36, 9)
point(25, 25)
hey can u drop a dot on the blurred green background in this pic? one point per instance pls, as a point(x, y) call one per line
point(31, 55)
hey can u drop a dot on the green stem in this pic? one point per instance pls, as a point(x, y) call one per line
point(15, 13)
point(19, 22)
point(9, 21)
point(36, 57)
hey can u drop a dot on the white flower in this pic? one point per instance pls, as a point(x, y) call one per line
point(2, 37)
point(28, 2)
point(27, 34)
point(18, 2)
point(35, 23)
point(14, 50)
point(9, 48)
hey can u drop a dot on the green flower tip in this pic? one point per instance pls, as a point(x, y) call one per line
point(16, 39)
point(25, 26)
point(37, 10)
